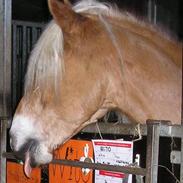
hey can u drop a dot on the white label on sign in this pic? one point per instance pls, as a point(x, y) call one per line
point(112, 152)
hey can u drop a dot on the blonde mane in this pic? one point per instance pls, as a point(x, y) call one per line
point(46, 63)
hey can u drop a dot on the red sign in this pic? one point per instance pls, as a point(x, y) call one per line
point(15, 174)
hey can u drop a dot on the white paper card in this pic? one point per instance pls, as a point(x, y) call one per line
point(112, 152)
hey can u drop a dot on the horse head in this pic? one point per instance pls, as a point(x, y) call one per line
point(57, 103)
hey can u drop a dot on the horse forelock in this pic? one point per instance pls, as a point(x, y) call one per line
point(46, 63)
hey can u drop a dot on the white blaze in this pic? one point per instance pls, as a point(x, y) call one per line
point(22, 128)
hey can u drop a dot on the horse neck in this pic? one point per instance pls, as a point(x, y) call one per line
point(169, 46)
point(163, 51)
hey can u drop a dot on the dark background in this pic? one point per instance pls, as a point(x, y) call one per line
point(169, 12)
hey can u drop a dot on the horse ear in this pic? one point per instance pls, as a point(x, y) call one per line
point(64, 15)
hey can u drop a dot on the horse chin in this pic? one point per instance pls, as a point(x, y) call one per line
point(42, 156)
point(36, 158)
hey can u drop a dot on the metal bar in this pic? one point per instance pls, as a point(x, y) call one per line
point(34, 36)
point(181, 152)
point(5, 57)
point(182, 87)
point(152, 11)
point(3, 136)
point(98, 166)
point(166, 130)
point(19, 61)
point(5, 81)
point(14, 68)
point(28, 43)
point(181, 164)
point(129, 129)
point(28, 24)
point(149, 10)
point(24, 52)
point(155, 13)
point(152, 154)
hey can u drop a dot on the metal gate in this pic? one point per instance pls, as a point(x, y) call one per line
point(24, 36)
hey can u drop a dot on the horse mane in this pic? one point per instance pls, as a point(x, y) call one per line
point(46, 63)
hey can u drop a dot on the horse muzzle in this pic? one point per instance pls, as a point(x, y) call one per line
point(28, 148)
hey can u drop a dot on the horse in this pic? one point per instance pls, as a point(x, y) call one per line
point(90, 59)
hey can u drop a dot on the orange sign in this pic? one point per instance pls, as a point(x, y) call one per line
point(72, 150)
point(15, 174)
